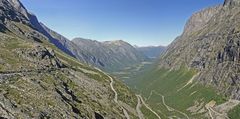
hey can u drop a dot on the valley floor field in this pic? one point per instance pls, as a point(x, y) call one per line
point(173, 94)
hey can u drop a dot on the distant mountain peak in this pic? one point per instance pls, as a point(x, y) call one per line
point(117, 42)
point(80, 40)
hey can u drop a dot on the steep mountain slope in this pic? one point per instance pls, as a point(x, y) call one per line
point(152, 51)
point(212, 48)
point(66, 43)
point(110, 55)
point(198, 75)
point(38, 80)
point(14, 10)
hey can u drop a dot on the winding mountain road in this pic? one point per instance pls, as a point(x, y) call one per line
point(209, 111)
point(5, 74)
point(220, 111)
point(143, 102)
point(116, 97)
point(115, 92)
point(221, 116)
point(168, 107)
point(139, 105)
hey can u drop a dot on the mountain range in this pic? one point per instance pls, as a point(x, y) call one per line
point(109, 56)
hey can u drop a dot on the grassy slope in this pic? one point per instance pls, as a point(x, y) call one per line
point(148, 114)
point(234, 113)
point(124, 92)
point(12, 43)
point(167, 83)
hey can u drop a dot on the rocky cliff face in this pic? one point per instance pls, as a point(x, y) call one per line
point(39, 80)
point(13, 11)
point(200, 19)
point(231, 2)
point(212, 46)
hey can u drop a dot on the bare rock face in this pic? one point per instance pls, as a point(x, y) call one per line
point(231, 2)
point(210, 44)
point(200, 19)
point(12, 10)
point(19, 7)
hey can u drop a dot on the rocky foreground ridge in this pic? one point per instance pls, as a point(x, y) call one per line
point(40, 79)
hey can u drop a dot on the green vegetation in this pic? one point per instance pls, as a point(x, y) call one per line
point(39, 89)
point(10, 60)
point(176, 87)
point(124, 94)
point(234, 113)
point(147, 113)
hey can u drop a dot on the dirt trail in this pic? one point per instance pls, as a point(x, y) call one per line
point(189, 82)
point(116, 97)
point(7, 74)
point(168, 107)
point(143, 102)
point(223, 116)
point(115, 92)
point(209, 111)
point(220, 111)
point(139, 105)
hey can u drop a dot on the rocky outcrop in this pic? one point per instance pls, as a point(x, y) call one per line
point(40, 56)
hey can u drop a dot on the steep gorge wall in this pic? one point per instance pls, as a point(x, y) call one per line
point(211, 45)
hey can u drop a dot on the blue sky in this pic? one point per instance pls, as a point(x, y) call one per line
point(139, 22)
